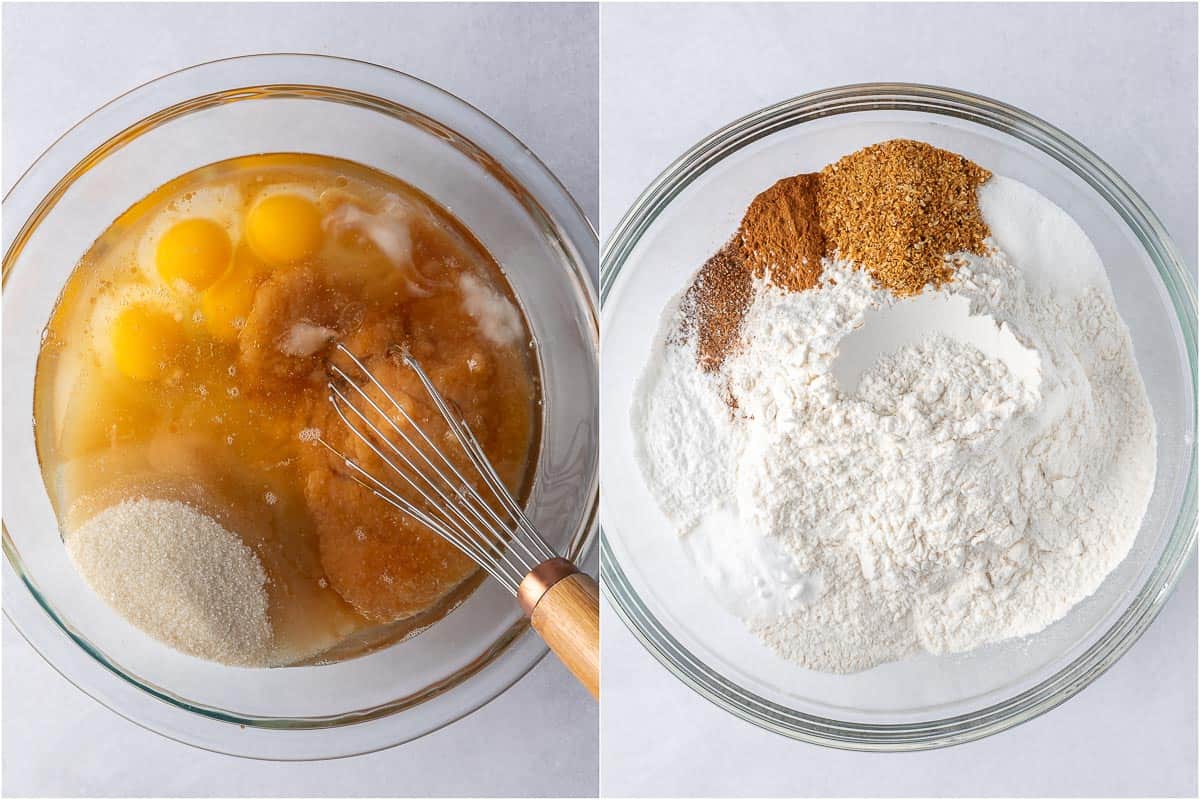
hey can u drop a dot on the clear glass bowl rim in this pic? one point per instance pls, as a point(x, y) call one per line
point(1158, 244)
point(121, 125)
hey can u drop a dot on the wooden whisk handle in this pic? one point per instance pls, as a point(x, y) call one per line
point(564, 608)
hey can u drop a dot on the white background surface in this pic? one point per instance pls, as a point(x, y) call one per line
point(1121, 79)
point(532, 69)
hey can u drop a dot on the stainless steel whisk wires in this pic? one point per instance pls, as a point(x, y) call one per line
point(508, 547)
point(561, 602)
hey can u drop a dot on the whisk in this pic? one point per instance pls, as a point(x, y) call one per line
point(560, 601)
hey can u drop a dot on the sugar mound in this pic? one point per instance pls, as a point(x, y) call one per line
point(179, 576)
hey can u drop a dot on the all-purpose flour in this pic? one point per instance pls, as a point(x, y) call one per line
point(870, 477)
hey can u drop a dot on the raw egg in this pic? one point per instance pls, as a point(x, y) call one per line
point(283, 228)
point(226, 303)
point(139, 331)
point(146, 342)
point(196, 251)
point(189, 243)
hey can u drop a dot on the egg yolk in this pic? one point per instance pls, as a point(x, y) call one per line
point(145, 342)
point(227, 302)
point(195, 251)
point(284, 229)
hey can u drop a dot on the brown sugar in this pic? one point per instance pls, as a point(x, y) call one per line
point(896, 209)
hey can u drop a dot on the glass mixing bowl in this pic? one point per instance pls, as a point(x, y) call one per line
point(924, 702)
point(462, 159)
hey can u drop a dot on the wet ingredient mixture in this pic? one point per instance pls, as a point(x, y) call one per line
point(897, 412)
point(182, 384)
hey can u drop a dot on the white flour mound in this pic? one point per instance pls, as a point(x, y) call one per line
point(179, 576)
point(921, 474)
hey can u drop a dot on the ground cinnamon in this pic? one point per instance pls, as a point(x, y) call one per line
point(896, 209)
point(780, 237)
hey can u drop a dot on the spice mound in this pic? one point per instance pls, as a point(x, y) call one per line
point(897, 412)
point(895, 209)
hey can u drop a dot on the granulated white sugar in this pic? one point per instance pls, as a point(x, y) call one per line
point(179, 576)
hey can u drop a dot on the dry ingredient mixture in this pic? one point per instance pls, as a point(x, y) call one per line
point(898, 412)
point(182, 385)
